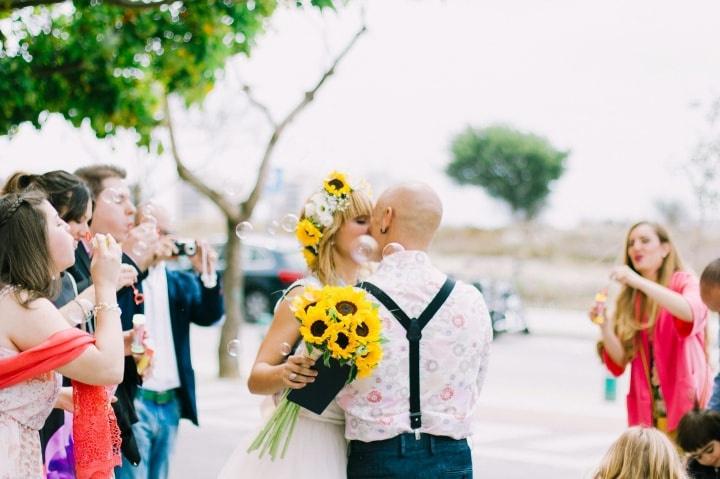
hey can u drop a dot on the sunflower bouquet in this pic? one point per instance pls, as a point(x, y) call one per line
point(341, 330)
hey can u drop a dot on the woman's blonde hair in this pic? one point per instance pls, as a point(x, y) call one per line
point(358, 204)
point(627, 322)
point(642, 452)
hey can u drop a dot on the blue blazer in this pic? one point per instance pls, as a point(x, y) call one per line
point(190, 302)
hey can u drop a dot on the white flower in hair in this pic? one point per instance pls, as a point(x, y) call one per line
point(325, 219)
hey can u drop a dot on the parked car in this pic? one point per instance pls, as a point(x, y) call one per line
point(504, 305)
point(269, 265)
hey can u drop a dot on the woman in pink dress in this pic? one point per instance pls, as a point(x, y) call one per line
point(658, 327)
point(35, 339)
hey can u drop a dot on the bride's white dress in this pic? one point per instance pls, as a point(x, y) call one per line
point(317, 449)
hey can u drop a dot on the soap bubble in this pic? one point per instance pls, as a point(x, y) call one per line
point(364, 249)
point(289, 223)
point(112, 196)
point(243, 229)
point(233, 348)
point(392, 248)
point(140, 248)
point(273, 228)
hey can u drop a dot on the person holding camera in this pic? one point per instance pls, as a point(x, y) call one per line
point(173, 300)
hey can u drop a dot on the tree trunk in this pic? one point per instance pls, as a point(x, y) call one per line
point(233, 293)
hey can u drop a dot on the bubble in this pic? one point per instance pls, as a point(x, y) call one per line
point(243, 229)
point(285, 349)
point(363, 249)
point(273, 228)
point(230, 190)
point(112, 196)
point(289, 223)
point(392, 248)
point(140, 248)
point(233, 348)
point(147, 210)
point(148, 225)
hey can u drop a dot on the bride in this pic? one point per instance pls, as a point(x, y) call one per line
point(332, 219)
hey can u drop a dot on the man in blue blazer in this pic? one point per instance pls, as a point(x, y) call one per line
point(173, 300)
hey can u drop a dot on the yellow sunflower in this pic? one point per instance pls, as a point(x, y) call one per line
point(336, 184)
point(367, 327)
point(341, 343)
point(310, 256)
point(316, 327)
point(307, 233)
point(349, 301)
point(302, 303)
point(365, 363)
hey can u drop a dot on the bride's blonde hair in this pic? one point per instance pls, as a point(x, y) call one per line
point(358, 204)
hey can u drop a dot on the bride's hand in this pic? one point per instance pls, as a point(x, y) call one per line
point(297, 372)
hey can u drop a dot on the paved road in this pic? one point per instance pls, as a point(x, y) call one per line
point(542, 413)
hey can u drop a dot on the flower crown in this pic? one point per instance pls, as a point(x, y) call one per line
point(319, 213)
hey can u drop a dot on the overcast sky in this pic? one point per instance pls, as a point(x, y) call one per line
point(623, 85)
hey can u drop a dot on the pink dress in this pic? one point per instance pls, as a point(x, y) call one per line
point(23, 410)
point(678, 356)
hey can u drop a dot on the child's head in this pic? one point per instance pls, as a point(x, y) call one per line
point(641, 452)
point(698, 434)
point(710, 285)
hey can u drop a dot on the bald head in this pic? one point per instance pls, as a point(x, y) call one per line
point(409, 214)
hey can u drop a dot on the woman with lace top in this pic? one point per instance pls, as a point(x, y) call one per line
point(36, 341)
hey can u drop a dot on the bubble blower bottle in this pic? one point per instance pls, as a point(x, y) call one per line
point(600, 300)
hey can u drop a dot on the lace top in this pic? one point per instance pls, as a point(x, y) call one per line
point(23, 410)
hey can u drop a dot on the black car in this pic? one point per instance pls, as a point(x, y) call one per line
point(504, 305)
point(269, 265)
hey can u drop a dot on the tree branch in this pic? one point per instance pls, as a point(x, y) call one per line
point(260, 106)
point(248, 205)
point(228, 209)
point(15, 4)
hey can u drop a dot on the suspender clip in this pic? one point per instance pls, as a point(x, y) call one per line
point(417, 434)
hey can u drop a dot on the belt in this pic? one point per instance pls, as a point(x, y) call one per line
point(403, 441)
point(158, 397)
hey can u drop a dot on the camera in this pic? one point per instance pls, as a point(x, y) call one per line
point(186, 247)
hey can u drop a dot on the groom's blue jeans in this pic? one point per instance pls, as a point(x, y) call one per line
point(403, 456)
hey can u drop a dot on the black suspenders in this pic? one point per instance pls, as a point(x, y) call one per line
point(414, 328)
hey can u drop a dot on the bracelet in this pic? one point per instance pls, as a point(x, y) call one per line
point(102, 307)
point(87, 311)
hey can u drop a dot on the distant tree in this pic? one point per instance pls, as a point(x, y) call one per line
point(703, 168)
point(672, 211)
point(515, 167)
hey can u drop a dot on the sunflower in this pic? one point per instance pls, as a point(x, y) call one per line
point(310, 256)
point(316, 327)
point(341, 343)
point(366, 327)
point(302, 303)
point(307, 233)
point(337, 185)
point(368, 361)
point(349, 301)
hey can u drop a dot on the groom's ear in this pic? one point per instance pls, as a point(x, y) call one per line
point(386, 219)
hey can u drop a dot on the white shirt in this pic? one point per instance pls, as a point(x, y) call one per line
point(454, 352)
point(164, 374)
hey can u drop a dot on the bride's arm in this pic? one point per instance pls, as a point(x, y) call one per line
point(271, 373)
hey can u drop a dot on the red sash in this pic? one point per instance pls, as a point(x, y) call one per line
point(96, 436)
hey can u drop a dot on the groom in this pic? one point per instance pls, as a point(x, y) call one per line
point(412, 416)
